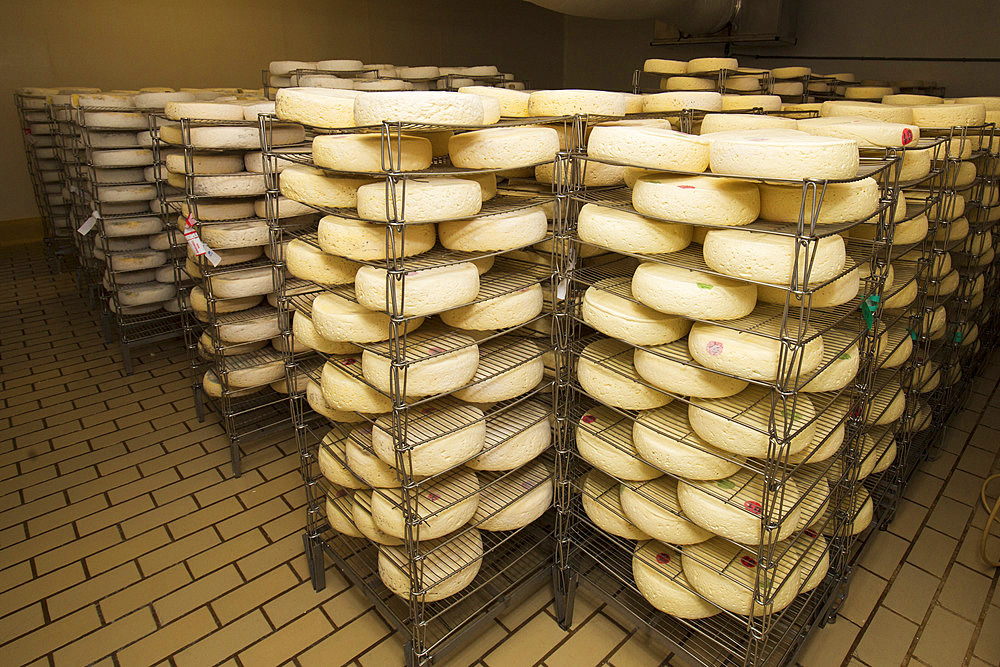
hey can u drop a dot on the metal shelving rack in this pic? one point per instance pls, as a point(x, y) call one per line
point(587, 556)
point(512, 563)
point(135, 325)
point(250, 408)
point(641, 81)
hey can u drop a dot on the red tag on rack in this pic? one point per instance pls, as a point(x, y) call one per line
point(198, 247)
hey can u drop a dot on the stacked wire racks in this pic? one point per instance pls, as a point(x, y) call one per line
point(423, 409)
point(715, 446)
point(140, 297)
point(231, 328)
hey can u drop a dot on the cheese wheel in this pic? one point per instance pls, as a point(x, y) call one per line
point(676, 83)
point(571, 102)
point(132, 226)
point(510, 366)
point(601, 496)
point(872, 110)
point(810, 550)
point(371, 152)
point(887, 403)
point(245, 137)
point(306, 334)
point(432, 107)
point(361, 513)
point(841, 370)
point(203, 111)
point(487, 182)
point(426, 291)
point(332, 460)
point(512, 500)
point(503, 147)
point(439, 436)
point(365, 241)
point(338, 512)
point(366, 465)
point(316, 107)
point(604, 439)
point(439, 508)
point(450, 564)
point(904, 233)
point(135, 260)
point(254, 161)
point(749, 84)
point(650, 147)
point(728, 122)
point(732, 507)
point(609, 308)
point(653, 507)
point(248, 282)
point(839, 292)
point(514, 436)
point(685, 454)
point(501, 312)
point(790, 72)
point(308, 262)
point(909, 100)
point(231, 256)
point(623, 231)
point(863, 92)
point(606, 372)
point(726, 575)
point(314, 396)
point(339, 319)
point(859, 509)
point(314, 187)
point(140, 294)
point(756, 355)
point(205, 163)
point(661, 66)
point(948, 115)
point(428, 199)
point(671, 368)
point(344, 389)
point(656, 569)
point(740, 423)
point(236, 234)
point(200, 302)
point(440, 370)
point(419, 72)
point(869, 133)
point(127, 157)
point(216, 210)
point(682, 100)
point(513, 103)
point(695, 294)
point(697, 199)
point(748, 102)
point(488, 233)
point(597, 174)
point(782, 154)
point(261, 324)
point(895, 348)
point(696, 65)
point(836, 202)
point(771, 258)
point(242, 184)
point(260, 368)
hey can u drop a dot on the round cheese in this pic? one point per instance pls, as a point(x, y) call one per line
point(771, 258)
point(251, 233)
point(623, 231)
point(675, 83)
point(314, 187)
point(601, 496)
point(887, 404)
point(264, 368)
point(442, 369)
point(339, 319)
point(200, 302)
point(697, 199)
point(438, 508)
point(248, 282)
point(314, 396)
point(511, 366)
point(782, 154)
point(860, 510)
point(948, 115)
point(426, 291)
point(446, 568)
point(427, 199)
point(135, 260)
point(308, 262)
point(126, 157)
point(697, 65)
point(503, 147)
point(747, 102)
point(509, 501)
point(671, 368)
point(606, 372)
point(650, 147)
point(316, 107)
point(366, 241)
point(332, 460)
point(132, 226)
point(756, 355)
point(203, 111)
point(140, 294)
point(872, 110)
point(570, 102)
point(868, 132)
point(660, 66)
point(840, 291)
point(344, 389)
point(836, 202)
point(728, 122)
point(841, 370)
point(607, 309)
point(243, 137)
point(682, 100)
point(338, 513)
point(695, 294)
point(732, 507)
point(654, 508)
point(663, 437)
point(305, 333)
point(439, 436)
point(488, 233)
point(367, 466)
point(513, 103)
point(514, 436)
point(361, 512)
point(727, 575)
point(501, 312)
point(597, 174)
point(656, 569)
point(604, 439)
point(371, 152)
point(217, 210)
point(740, 423)
point(867, 92)
point(432, 107)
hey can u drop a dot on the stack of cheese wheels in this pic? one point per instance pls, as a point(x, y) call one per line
point(223, 181)
point(121, 175)
point(660, 578)
point(443, 390)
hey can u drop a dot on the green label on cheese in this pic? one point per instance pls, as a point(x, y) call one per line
point(703, 285)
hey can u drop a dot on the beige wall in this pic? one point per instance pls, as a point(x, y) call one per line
point(603, 54)
point(134, 43)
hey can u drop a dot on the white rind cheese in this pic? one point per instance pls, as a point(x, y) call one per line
point(697, 199)
point(427, 199)
point(601, 497)
point(650, 147)
point(783, 154)
point(771, 258)
point(426, 292)
point(754, 356)
point(620, 386)
point(678, 291)
point(656, 569)
point(740, 424)
point(604, 439)
point(626, 320)
point(503, 147)
point(371, 152)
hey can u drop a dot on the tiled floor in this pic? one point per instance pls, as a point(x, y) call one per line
point(124, 541)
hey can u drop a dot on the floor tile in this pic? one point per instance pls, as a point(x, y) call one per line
point(944, 641)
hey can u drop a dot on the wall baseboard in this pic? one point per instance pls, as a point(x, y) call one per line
point(21, 231)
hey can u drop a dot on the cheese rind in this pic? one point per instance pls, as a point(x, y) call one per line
point(624, 319)
point(740, 424)
point(621, 386)
point(509, 501)
point(601, 496)
point(444, 372)
point(317, 107)
point(489, 233)
point(426, 199)
point(681, 100)
point(650, 147)
point(308, 262)
point(783, 154)
point(726, 575)
point(653, 507)
point(604, 439)
point(836, 202)
point(371, 152)
point(439, 436)
point(697, 199)
point(680, 451)
point(503, 147)
point(754, 356)
point(366, 241)
point(339, 319)
point(426, 292)
point(772, 258)
point(344, 390)
point(440, 507)
point(571, 102)
point(679, 291)
point(448, 567)
point(314, 187)
point(656, 569)
point(439, 108)
point(501, 312)
point(671, 368)
point(728, 122)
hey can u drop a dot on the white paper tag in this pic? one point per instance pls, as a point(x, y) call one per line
point(88, 224)
point(561, 289)
point(198, 247)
